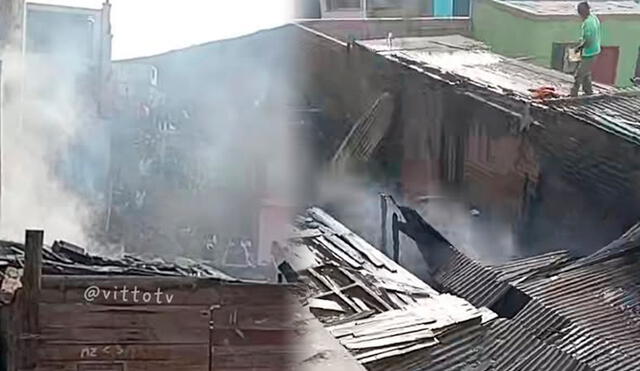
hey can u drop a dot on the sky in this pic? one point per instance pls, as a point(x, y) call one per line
point(147, 27)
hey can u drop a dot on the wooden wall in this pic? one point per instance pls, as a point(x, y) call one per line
point(173, 324)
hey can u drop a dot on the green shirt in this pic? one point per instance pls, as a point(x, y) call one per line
point(591, 36)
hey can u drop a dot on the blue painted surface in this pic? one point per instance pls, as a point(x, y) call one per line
point(443, 8)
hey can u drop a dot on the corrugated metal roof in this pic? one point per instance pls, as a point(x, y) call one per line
point(588, 308)
point(471, 280)
point(483, 285)
point(468, 64)
point(509, 346)
point(595, 308)
point(574, 322)
point(589, 311)
point(520, 268)
point(618, 114)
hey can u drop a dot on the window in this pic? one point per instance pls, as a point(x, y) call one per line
point(560, 57)
point(343, 4)
point(385, 4)
point(461, 8)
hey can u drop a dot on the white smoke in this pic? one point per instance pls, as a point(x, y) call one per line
point(39, 123)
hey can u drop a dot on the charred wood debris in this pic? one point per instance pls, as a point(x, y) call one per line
point(570, 314)
point(64, 258)
point(549, 312)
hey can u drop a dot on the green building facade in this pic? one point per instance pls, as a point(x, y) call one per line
point(538, 31)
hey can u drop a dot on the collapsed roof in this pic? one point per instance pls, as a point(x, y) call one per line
point(390, 320)
point(64, 258)
point(588, 309)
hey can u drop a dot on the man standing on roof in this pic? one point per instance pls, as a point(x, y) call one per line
point(589, 49)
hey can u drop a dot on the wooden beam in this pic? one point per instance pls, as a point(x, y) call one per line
point(32, 285)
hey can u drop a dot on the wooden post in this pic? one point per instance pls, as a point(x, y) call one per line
point(32, 284)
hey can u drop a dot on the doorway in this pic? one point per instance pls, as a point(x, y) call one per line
point(605, 67)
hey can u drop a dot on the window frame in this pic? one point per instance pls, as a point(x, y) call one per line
point(331, 5)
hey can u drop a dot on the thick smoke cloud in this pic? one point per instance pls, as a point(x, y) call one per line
point(40, 122)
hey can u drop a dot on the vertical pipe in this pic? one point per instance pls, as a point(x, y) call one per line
point(395, 227)
point(383, 223)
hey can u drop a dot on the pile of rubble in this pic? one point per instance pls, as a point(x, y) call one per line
point(63, 258)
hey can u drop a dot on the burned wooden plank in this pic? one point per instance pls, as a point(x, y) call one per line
point(338, 247)
point(334, 288)
point(362, 285)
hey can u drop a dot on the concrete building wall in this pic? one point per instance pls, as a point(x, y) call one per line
point(513, 33)
point(12, 16)
point(76, 40)
point(233, 146)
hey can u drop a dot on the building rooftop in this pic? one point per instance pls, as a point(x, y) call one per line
point(568, 8)
point(587, 309)
point(390, 320)
point(64, 258)
point(467, 63)
point(459, 59)
point(384, 315)
point(617, 114)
